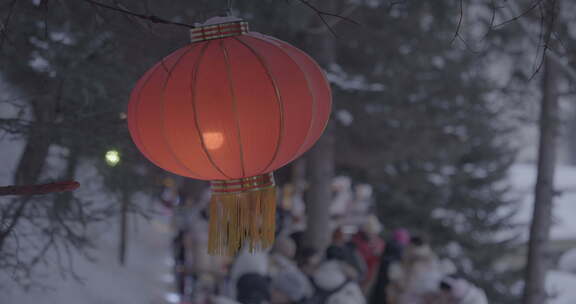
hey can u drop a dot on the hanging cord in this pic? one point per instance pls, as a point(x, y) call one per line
point(229, 5)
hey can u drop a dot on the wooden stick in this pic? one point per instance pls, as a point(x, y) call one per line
point(39, 189)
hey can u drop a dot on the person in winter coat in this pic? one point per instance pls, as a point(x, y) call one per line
point(370, 246)
point(416, 276)
point(290, 287)
point(246, 262)
point(285, 274)
point(351, 254)
point(392, 254)
point(308, 260)
point(334, 282)
point(459, 291)
point(199, 261)
point(220, 300)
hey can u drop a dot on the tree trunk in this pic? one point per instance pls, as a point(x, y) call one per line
point(321, 156)
point(298, 176)
point(30, 165)
point(538, 259)
point(64, 200)
point(571, 138)
point(319, 198)
point(33, 157)
point(123, 240)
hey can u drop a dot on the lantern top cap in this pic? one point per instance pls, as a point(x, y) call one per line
point(218, 27)
point(218, 20)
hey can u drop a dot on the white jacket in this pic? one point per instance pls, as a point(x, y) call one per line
point(329, 275)
point(246, 262)
point(466, 293)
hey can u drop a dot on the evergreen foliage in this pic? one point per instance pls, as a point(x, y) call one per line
point(424, 130)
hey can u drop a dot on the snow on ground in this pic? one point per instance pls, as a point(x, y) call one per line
point(144, 280)
point(523, 177)
point(561, 286)
point(568, 261)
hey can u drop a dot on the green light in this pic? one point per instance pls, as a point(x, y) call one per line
point(112, 157)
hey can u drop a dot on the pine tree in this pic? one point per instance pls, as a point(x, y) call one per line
point(428, 136)
point(412, 111)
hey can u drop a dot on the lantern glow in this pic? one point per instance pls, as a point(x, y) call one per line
point(213, 140)
point(112, 158)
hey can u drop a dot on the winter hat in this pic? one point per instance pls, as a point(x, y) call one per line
point(458, 287)
point(335, 253)
point(293, 284)
point(402, 236)
point(253, 288)
point(363, 191)
point(447, 267)
point(372, 225)
point(568, 261)
point(329, 275)
point(340, 183)
point(285, 247)
point(222, 300)
point(306, 255)
point(250, 262)
point(421, 252)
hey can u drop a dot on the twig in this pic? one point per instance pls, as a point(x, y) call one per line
point(545, 41)
point(560, 41)
point(562, 62)
point(322, 14)
point(4, 25)
point(155, 19)
point(468, 46)
point(493, 8)
point(136, 20)
point(45, 5)
point(524, 13)
point(394, 3)
point(150, 18)
point(39, 189)
point(346, 13)
point(460, 18)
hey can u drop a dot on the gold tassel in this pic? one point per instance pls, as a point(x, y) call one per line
point(242, 212)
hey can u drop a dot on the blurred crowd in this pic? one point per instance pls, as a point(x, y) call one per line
point(362, 264)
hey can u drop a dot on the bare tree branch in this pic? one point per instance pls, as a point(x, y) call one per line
point(460, 18)
point(46, 7)
point(344, 14)
point(543, 36)
point(119, 8)
point(150, 18)
point(4, 25)
point(524, 13)
point(493, 9)
point(562, 62)
point(322, 15)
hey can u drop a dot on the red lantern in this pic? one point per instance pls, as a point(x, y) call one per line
point(231, 107)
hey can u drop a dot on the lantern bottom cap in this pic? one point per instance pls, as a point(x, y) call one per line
point(242, 213)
